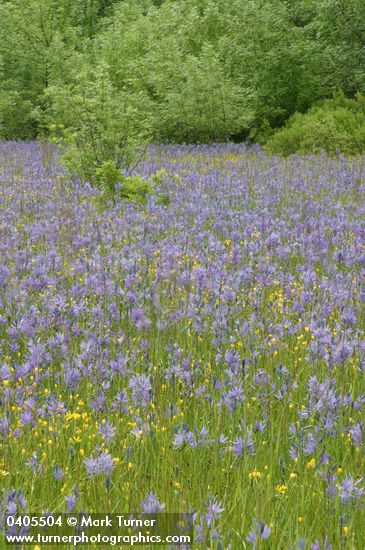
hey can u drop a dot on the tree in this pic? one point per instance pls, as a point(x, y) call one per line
point(99, 126)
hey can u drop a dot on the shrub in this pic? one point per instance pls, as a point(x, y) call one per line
point(113, 184)
point(17, 116)
point(102, 129)
point(333, 125)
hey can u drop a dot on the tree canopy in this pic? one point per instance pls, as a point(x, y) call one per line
point(201, 70)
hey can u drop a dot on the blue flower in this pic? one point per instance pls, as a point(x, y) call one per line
point(102, 464)
point(259, 531)
point(151, 504)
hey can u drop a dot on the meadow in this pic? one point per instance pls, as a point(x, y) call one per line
point(202, 351)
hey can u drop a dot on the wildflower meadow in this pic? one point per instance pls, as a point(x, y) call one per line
point(200, 351)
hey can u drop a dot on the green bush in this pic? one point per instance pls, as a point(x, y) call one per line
point(113, 184)
point(101, 129)
point(135, 188)
point(334, 126)
point(17, 116)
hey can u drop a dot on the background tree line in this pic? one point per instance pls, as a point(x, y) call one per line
point(174, 70)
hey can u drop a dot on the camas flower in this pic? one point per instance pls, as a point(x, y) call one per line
point(259, 531)
point(151, 504)
point(214, 510)
point(71, 500)
point(103, 464)
point(141, 388)
point(349, 489)
point(57, 472)
point(139, 318)
point(317, 546)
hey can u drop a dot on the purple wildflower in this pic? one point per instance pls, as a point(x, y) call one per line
point(151, 504)
point(141, 388)
point(103, 464)
point(349, 489)
point(260, 531)
point(57, 472)
point(214, 510)
point(71, 500)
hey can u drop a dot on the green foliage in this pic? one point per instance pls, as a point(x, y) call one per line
point(214, 70)
point(114, 184)
point(158, 181)
point(100, 127)
point(202, 105)
point(41, 42)
point(18, 118)
point(159, 177)
point(107, 177)
point(195, 70)
point(135, 188)
point(338, 33)
point(333, 125)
